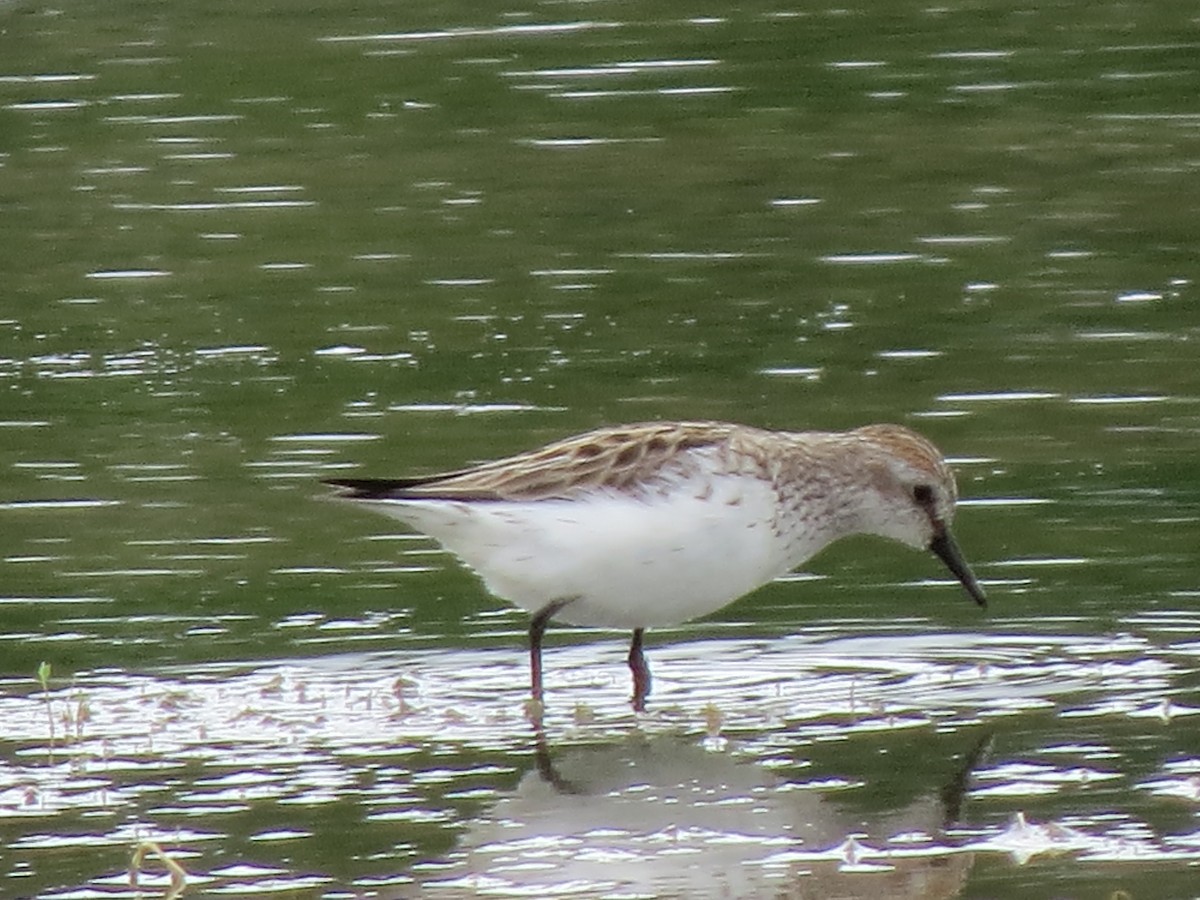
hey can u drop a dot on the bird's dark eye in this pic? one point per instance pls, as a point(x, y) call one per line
point(923, 494)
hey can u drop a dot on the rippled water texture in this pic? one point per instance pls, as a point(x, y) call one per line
point(792, 764)
point(245, 248)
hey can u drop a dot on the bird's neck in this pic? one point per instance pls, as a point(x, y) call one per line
point(822, 490)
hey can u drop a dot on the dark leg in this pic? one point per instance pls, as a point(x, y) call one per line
point(641, 671)
point(537, 628)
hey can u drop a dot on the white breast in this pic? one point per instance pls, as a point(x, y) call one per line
point(626, 561)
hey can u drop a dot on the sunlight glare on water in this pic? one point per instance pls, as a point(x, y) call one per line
point(235, 742)
point(390, 240)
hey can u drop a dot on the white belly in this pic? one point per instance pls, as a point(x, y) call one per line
point(623, 562)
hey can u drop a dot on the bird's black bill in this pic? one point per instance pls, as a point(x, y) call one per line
point(947, 551)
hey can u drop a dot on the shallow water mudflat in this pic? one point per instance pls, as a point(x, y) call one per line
point(917, 763)
point(242, 250)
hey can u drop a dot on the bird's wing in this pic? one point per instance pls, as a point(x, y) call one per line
point(617, 458)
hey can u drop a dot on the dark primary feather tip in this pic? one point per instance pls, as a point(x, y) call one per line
point(369, 488)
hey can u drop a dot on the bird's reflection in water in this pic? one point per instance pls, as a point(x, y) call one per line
point(665, 817)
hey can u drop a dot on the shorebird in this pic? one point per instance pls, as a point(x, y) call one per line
point(635, 526)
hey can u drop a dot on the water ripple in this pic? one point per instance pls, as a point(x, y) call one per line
point(732, 775)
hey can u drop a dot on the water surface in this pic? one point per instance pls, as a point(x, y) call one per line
point(247, 249)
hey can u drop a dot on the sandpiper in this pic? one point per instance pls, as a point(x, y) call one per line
point(634, 526)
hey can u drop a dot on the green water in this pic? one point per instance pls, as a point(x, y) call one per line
point(245, 249)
